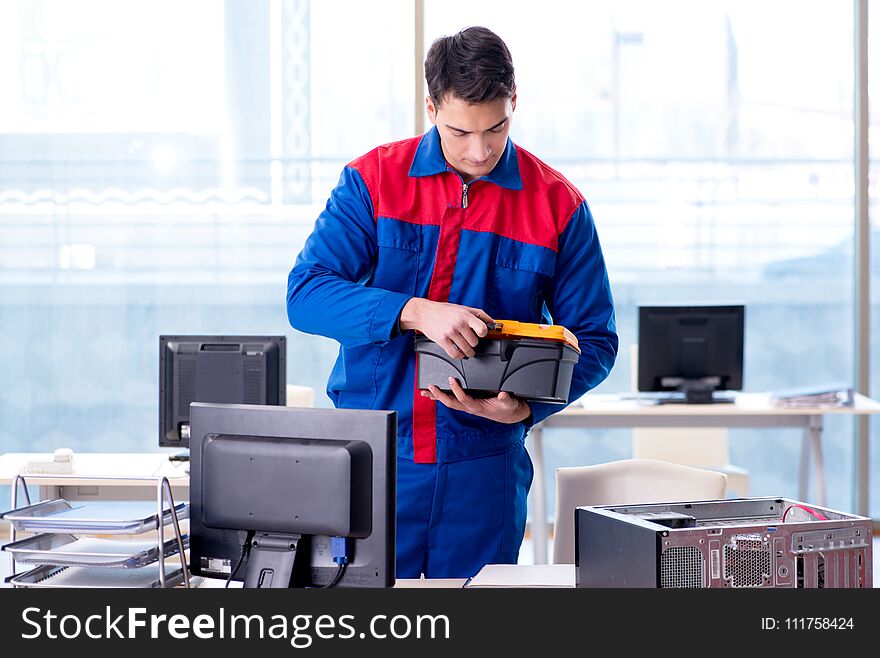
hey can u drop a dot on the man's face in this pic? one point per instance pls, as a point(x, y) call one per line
point(473, 137)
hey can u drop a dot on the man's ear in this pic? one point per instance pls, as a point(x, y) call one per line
point(513, 100)
point(432, 110)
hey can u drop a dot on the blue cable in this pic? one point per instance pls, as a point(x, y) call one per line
point(339, 549)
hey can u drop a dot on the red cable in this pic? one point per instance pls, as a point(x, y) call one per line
point(808, 510)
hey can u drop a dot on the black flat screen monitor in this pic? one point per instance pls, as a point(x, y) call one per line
point(228, 369)
point(293, 497)
point(693, 350)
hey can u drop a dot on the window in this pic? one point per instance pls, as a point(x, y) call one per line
point(874, 243)
point(160, 167)
point(714, 144)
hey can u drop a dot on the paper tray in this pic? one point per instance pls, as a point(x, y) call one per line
point(67, 550)
point(91, 577)
point(60, 516)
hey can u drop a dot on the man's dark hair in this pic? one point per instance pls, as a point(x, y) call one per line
point(473, 65)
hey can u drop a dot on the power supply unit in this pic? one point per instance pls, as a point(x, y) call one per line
point(742, 542)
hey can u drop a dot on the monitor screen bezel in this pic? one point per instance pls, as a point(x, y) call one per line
point(646, 378)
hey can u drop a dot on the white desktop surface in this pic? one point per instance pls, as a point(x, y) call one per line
point(97, 476)
point(97, 469)
point(745, 404)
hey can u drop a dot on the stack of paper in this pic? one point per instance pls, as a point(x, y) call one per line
point(828, 396)
point(524, 575)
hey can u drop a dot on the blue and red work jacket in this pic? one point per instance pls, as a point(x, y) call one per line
point(519, 243)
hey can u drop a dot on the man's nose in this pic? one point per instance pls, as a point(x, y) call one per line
point(480, 149)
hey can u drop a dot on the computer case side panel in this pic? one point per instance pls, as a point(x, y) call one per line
point(618, 554)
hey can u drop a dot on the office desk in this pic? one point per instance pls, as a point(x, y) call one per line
point(101, 476)
point(492, 575)
point(750, 410)
point(400, 583)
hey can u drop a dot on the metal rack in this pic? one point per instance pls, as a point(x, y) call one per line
point(67, 557)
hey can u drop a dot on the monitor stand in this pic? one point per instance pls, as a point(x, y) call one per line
point(678, 400)
point(696, 392)
point(183, 434)
point(275, 561)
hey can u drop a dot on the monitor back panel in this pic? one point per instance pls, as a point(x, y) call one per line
point(224, 369)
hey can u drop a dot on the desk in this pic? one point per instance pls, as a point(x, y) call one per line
point(491, 575)
point(400, 583)
point(101, 476)
point(750, 410)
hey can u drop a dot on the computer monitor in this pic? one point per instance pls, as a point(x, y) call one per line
point(694, 350)
point(277, 493)
point(229, 369)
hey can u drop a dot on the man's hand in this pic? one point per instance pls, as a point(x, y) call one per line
point(457, 329)
point(504, 408)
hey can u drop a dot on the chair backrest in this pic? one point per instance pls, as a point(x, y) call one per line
point(300, 396)
point(691, 446)
point(625, 482)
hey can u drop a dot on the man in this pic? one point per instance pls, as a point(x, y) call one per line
point(442, 234)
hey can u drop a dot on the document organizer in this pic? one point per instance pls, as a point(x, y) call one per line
point(70, 551)
point(67, 556)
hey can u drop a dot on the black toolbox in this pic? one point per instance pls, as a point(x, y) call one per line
point(531, 361)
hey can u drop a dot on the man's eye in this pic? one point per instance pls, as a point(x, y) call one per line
point(455, 134)
point(497, 130)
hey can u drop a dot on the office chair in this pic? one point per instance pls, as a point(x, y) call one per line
point(625, 482)
point(700, 447)
point(300, 396)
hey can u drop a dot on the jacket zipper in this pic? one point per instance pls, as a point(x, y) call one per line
point(464, 199)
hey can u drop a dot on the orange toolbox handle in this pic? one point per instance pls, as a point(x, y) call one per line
point(514, 329)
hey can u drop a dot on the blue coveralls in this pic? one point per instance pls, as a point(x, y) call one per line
point(519, 243)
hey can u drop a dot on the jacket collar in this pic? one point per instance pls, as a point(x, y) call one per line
point(429, 161)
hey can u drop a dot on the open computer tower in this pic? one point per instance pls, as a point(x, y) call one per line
point(745, 542)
